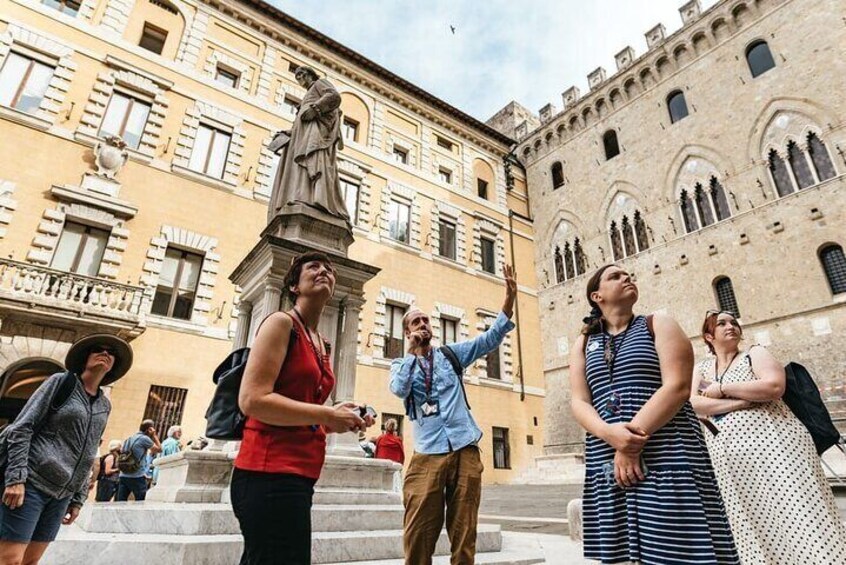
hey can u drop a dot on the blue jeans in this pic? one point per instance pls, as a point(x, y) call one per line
point(135, 485)
point(38, 519)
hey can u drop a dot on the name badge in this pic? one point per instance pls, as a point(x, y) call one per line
point(430, 408)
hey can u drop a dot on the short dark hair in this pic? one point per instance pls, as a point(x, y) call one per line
point(146, 425)
point(292, 277)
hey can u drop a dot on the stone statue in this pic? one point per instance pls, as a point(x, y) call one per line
point(308, 171)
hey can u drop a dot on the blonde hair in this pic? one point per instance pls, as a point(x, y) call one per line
point(115, 444)
point(391, 425)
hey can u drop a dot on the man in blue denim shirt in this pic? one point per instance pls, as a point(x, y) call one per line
point(446, 469)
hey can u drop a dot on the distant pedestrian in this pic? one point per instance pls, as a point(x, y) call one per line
point(650, 494)
point(389, 444)
point(107, 479)
point(133, 461)
point(49, 450)
point(171, 446)
point(777, 497)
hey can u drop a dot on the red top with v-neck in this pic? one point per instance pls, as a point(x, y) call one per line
point(297, 450)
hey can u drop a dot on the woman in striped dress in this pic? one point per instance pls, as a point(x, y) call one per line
point(650, 494)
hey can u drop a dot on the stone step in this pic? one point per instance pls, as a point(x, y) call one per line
point(495, 558)
point(356, 496)
point(218, 519)
point(76, 546)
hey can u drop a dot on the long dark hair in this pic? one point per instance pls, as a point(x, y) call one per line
point(593, 321)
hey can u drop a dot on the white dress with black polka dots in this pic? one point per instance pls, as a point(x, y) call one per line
point(779, 504)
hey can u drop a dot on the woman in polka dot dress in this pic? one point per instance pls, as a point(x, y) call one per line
point(779, 504)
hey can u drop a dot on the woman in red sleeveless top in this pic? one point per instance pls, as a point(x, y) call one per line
point(287, 379)
point(389, 444)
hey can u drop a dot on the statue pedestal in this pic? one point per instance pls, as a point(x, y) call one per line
point(193, 476)
point(313, 228)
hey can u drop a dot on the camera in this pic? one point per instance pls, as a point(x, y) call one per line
point(366, 410)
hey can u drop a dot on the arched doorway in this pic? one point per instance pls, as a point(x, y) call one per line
point(18, 383)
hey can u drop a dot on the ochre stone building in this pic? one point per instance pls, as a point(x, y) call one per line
point(141, 241)
point(712, 168)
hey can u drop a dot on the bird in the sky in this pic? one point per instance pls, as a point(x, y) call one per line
point(452, 29)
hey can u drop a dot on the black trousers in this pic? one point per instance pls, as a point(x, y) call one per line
point(274, 511)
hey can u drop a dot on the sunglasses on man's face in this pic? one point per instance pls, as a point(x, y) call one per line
point(104, 349)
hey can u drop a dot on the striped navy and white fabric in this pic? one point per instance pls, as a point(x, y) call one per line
point(674, 516)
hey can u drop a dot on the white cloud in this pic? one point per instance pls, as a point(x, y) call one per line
point(501, 50)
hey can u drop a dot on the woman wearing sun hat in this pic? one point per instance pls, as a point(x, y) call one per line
point(48, 450)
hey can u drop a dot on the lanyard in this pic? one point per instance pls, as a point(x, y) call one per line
point(719, 378)
point(427, 363)
point(318, 356)
point(609, 349)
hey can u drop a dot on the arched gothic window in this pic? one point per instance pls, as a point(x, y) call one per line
point(820, 158)
point(641, 232)
point(718, 197)
point(628, 237)
point(834, 264)
point(799, 165)
point(703, 206)
point(609, 141)
point(616, 242)
point(724, 291)
point(677, 106)
point(691, 222)
point(759, 58)
point(559, 266)
point(557, 175)
point(571, 263)
point(781, 177)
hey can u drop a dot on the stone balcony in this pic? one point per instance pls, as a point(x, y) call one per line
point(33, 294)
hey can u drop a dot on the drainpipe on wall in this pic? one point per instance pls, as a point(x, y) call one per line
point(517, 309)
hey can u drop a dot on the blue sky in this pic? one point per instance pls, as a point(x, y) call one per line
point(502, 50)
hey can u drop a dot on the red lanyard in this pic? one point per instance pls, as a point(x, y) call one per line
point(428, 370)
point(318, 356)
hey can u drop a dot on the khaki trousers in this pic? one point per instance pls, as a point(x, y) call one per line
point(435, 482)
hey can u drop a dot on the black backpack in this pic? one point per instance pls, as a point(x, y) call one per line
point(803, 398)
point(411, 408)
point(224, 419)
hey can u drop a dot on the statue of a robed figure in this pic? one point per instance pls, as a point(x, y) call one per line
point(308, 172)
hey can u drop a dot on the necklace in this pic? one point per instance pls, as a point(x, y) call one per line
point(611, 347)
point(317, 354)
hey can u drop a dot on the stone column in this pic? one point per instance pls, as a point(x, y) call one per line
point(245, 314)
point(272, 296)
point(347, 342)
point(348, 350)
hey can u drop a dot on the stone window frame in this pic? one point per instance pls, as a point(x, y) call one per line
point(404, 195)
point(485, 318)
point(52, 225)
point(203, 113)
point(455, 313)
point(86, 11)
point(404, 143)
point(380, 327)
point(452, 214)
point(8, 205)
point(215, 58)
point(266, 170)
point(358, 173)
point(492, 230)
point(453, 166)
point(31, 44)
point(187, 240)
point(798, 136)
point(688, 179)
point(284, 90)
point(133, 85)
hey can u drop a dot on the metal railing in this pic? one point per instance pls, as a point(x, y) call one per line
point(49, 287)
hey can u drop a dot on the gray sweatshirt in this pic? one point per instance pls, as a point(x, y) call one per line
point(54, 452)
